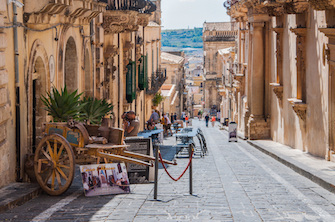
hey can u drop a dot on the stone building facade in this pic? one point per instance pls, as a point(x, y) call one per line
point(216, 36)
point(284, 64)
point(96, 47)
point(174, 84)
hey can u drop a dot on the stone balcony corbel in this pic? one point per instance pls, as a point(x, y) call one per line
point(299, 108)
point(68, 10)
point(278, 90)
point(143, 19)
point(118, 21)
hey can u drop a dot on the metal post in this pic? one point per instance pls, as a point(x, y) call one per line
point(156, 171)
point(190, 147)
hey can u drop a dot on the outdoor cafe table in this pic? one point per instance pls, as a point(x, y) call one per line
point(187, 134)
point(151, 133)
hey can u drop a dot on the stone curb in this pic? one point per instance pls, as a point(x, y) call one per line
point(19, 197)
point(313, 177)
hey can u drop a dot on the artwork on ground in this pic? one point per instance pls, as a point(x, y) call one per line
point(105, 179)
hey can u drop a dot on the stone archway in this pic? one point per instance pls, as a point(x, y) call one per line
point(38, 84)
point(39, 89)
point(71, 65)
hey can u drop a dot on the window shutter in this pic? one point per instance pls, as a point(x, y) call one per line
point(141, 76)
point(146, 71)
point(129, 83)
point(133, 75)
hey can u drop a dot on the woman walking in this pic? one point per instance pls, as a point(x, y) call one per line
point(213, 121)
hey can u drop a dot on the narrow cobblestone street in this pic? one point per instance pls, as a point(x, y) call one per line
point(235, 182)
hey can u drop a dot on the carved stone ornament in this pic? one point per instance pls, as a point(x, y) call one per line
point(119, 21)
point(111, 51)
point(278, 90)
point(322, 4)
point(299, 108)
point(69, 12)
point(138, 53)
point(296, 7)
point(128, 46)
point(143, 19)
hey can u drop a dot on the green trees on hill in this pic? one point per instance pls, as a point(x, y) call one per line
point(182, 38)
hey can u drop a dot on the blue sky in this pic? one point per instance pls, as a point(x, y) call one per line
point(181, 14)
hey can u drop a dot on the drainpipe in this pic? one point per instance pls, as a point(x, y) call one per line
point(17, 103)
point(144, 92)
point(119, 83)
point(93, 57)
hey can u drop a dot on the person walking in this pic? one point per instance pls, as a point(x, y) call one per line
point(186, 119)
point(213, 121)
point(207, 119)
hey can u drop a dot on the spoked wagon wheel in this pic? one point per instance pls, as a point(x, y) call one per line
point(54, 164)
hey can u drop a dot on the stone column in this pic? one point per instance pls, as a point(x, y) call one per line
point(257, 126)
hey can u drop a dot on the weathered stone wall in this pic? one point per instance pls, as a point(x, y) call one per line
point(6, 174)
point(287, 127)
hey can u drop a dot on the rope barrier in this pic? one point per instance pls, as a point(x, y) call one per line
point(161, 159)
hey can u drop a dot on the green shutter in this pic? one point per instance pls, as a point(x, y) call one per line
point(129, 83)
point(141, 76)
point(146, 71)
point(133, 94)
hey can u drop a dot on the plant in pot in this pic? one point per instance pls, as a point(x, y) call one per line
point(62, 105)
point(158, 98)
point(93, 113)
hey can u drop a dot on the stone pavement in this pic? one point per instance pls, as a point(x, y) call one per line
point(234, 182)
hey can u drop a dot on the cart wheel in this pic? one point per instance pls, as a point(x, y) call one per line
point(54, 164)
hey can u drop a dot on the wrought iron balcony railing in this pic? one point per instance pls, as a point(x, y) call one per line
point(156, 81)
point(142, 6)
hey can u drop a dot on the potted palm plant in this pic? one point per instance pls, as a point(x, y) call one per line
point(62, 105)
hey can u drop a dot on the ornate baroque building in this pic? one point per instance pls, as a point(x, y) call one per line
point(285, 65)
point(216, 36)
point(107, 49)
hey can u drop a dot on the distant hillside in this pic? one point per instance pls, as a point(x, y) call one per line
point(182, 38)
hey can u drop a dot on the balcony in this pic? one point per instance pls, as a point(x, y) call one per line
point(69, 11)
point(126, 15)
point(141, 6)
point(156, 81)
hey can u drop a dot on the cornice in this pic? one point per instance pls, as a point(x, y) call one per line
point(329, 32)
point(322, 4)
point(299, 31)
point(278, 30)
point(250, 8)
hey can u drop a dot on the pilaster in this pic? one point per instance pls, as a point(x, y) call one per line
point(258, 128)
point(5, 163)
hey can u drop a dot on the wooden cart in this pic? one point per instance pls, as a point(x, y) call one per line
point(67, 144)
